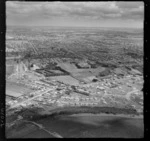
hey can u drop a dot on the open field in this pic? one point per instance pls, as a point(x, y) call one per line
point(88, 72)
point(66, 79)
point(16, 90)
point(81, 74)
point(69, 67)
point(9, 69)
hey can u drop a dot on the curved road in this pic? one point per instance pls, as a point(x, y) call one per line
point(129, 93)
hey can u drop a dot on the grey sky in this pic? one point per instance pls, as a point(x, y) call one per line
point(88, 14)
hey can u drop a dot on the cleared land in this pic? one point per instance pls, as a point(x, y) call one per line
point(16, 90)
point(9, 69)
point(66, 79)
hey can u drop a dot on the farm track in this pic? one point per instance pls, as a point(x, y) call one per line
point(54, 134)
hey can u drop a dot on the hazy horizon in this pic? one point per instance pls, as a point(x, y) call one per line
point(75, 14)
point(73, 27)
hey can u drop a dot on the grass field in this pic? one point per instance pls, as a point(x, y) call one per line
point(16, 90)
point(9, 69)
point(65, 79)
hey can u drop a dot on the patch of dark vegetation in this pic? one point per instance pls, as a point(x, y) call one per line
point(47, 71)
point(128, 68)
point(94, 80)
point(105, 72)
point(138, 67)
point(93, 66)
point(11, 118)
point(13, 54)
point(59, 68)
point(26, 113)
point(19, 129)
point(76, 110)
point(51, 65)
point(134, 55)
point(107, 65)
point(84, 93)
point(95, 110)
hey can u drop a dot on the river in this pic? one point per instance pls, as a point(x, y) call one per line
point(90, 126)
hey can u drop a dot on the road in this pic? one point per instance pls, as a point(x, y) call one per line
point(14, 57)
point(17, 104)
point(43, 128)
point(34, 49)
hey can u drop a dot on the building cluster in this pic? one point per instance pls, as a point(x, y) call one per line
point(47, 93)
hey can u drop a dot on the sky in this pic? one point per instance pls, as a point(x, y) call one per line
point(76, 14)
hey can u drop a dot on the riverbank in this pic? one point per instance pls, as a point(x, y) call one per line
point(93, 126)
point(108, 115)
point(57, 118)
point(123, 112)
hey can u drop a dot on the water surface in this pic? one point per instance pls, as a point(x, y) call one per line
point(91, 126)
